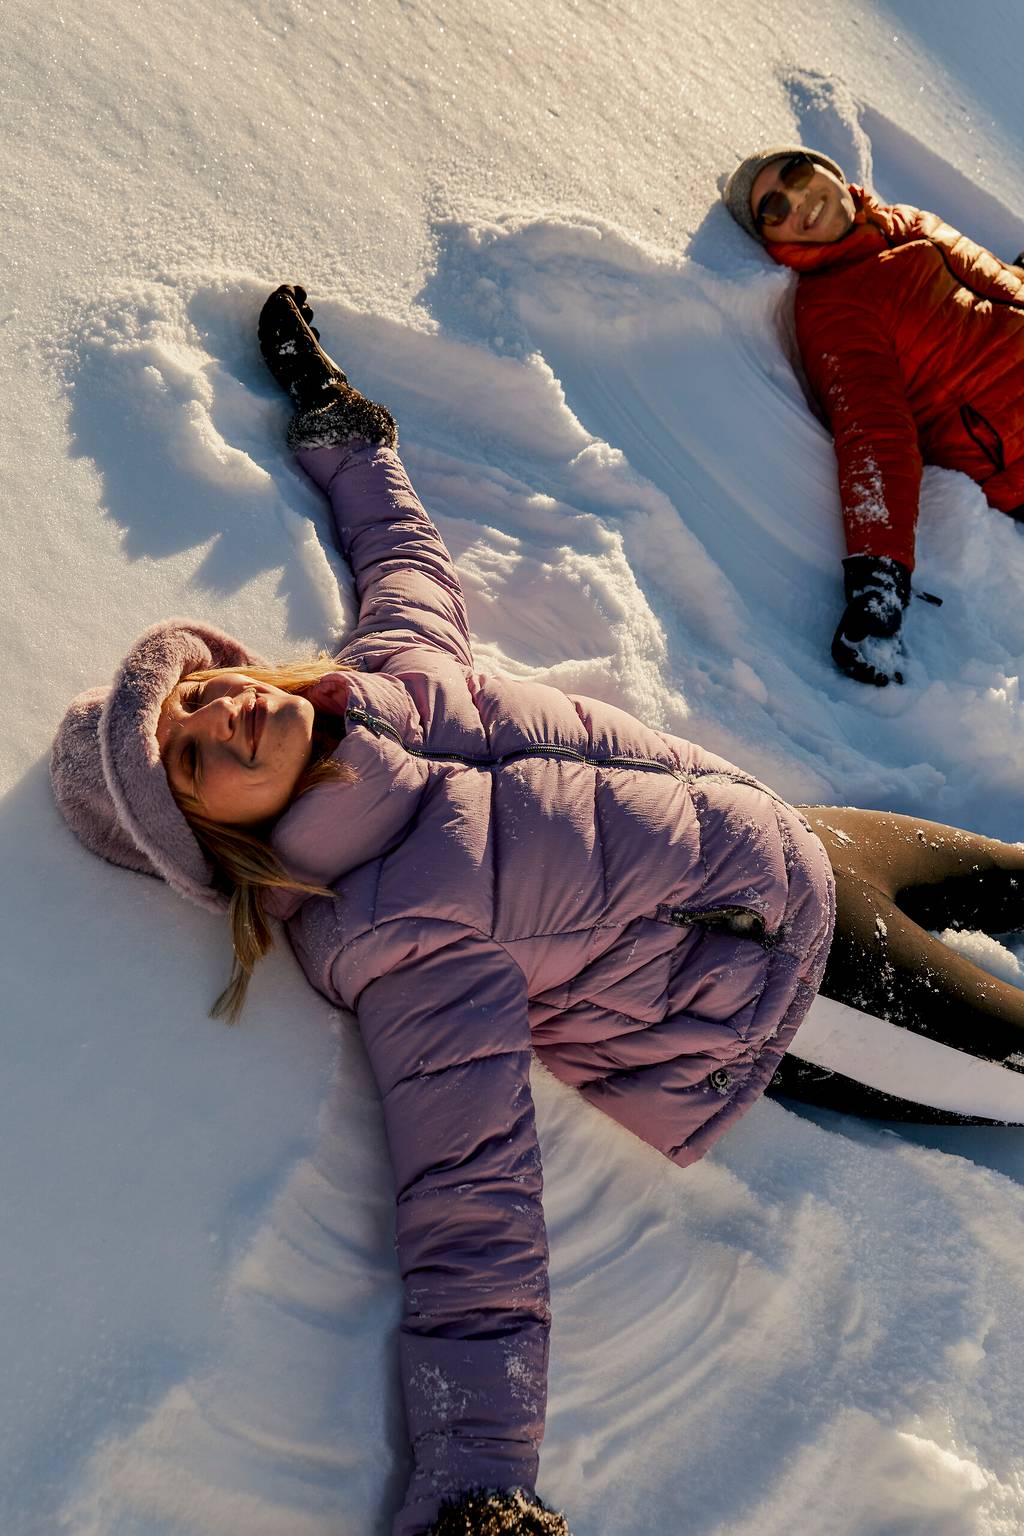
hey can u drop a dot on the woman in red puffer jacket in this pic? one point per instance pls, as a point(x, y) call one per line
point(912, 338)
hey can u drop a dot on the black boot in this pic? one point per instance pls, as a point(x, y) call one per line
point(328, 409)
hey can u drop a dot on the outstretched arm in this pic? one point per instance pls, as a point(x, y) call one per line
point(447, 1035)
point(405, 577)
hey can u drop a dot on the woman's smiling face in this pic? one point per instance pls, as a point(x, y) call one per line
point(235, 747)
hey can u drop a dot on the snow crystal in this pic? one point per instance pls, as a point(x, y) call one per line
point(840, 836)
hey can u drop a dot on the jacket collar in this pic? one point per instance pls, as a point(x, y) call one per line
point(339, 825)
point(870, 233)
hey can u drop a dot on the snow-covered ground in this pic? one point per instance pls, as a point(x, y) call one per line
point(506, 213)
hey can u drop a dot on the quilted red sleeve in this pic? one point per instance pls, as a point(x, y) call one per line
point(854, 373)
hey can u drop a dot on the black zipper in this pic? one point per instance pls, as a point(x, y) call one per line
point(984, 436)
point(378, 727)
point(740, 922)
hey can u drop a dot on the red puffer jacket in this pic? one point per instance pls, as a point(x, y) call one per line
point(912, 337)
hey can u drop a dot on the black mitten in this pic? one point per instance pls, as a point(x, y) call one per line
point(498, 1514)
point(868, 645)
point(291, 349)
point(328, 409)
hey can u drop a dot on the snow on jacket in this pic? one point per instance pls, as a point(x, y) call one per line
point(912, 338)
point(514, 868)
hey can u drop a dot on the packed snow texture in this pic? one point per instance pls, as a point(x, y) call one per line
point(507, 216)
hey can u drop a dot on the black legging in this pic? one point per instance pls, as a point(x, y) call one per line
point(897, 877)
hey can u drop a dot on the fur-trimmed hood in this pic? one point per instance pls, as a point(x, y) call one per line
point(105, 766)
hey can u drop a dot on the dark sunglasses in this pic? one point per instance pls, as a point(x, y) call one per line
point(774, 208)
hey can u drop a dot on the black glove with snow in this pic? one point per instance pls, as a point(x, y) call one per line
point(328, 409)
point(498, 1514)
point(868, 645)
point(290, 344)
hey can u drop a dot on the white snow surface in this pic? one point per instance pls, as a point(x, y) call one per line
point(507, 216)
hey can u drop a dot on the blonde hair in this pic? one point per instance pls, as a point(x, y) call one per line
point(245, 865)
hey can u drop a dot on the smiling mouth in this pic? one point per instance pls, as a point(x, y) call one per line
point(815, 214)
point(254, 720)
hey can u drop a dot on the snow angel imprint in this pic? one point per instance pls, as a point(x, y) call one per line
point(485, 870)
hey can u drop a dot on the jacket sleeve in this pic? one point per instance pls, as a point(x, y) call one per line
point(447, 1035)
point(406, 580)
point(853, 370)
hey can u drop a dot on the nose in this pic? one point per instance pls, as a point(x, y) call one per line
point(215, 721)
point(795, 196)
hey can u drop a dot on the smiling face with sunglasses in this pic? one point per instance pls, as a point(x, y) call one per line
point(797, 199)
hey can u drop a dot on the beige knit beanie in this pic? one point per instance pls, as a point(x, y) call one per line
point(737, 190)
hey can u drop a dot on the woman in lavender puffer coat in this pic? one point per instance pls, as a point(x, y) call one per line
point(482, 869)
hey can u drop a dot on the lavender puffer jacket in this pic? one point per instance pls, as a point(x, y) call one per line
point(518, 869)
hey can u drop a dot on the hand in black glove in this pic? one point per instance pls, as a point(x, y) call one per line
point(868, 646)
point(290, 344)
point(498, 1514)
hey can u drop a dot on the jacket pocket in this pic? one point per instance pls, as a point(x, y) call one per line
point(738, 922)
point(984, 436)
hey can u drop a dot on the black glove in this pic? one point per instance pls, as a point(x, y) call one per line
point(498, 1514)
point(868, 646)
